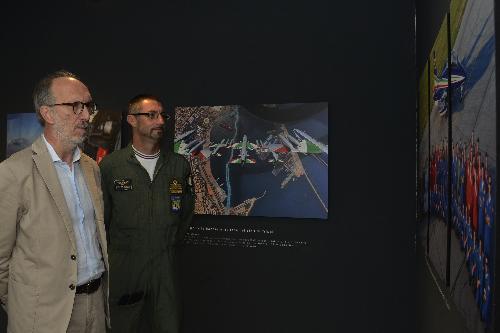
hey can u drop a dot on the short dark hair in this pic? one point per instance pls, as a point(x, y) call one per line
point(133, 104)
point(42, 94)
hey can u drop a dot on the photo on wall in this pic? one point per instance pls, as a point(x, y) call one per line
point(103, 133)
point(257, 160)
point(423, 161)
point(22, 130)
point(438, 142)
point(473, 172)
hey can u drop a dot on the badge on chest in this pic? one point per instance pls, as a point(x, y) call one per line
point(123, 184)
point(175, 190)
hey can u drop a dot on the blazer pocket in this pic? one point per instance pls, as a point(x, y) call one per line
point(21, 307)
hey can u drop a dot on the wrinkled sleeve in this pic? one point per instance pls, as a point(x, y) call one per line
point(187, 204)
point(10, 208)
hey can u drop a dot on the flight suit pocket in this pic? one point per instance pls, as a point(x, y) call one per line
point(126, 317)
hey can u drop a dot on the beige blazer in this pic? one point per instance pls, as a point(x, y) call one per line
point(37, 241)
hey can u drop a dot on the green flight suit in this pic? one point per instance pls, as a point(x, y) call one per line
point(145, 221)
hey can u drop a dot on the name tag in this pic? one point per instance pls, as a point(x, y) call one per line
point(123, 184)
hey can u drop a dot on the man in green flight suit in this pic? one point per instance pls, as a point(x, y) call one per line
point(149, 203)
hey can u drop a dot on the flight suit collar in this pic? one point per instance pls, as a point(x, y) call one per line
point(162, 159)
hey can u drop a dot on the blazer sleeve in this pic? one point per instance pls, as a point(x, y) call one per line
point(11, 210)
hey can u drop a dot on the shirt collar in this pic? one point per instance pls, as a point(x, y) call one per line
point(55, 157)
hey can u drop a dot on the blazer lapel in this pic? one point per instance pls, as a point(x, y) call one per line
point(88, 175)
point(95, 194)
point(45, 167)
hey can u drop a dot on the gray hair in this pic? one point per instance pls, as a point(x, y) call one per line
point(42, 94)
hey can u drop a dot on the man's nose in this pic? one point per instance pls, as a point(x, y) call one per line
point(85, 114)
point(160, 119)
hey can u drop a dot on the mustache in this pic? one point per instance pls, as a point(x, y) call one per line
point(83, 125)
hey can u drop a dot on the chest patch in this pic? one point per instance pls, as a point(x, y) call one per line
point(123, 184)
point(175, 187)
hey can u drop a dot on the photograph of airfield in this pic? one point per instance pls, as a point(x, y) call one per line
point(467, 100)
point(257, 160)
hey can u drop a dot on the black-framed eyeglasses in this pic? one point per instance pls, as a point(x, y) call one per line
point(78, 106)
point(152, 115)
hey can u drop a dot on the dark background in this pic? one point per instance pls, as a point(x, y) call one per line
point(357, 272)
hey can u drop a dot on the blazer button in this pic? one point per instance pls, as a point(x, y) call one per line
point(72, 286)
point(73, 257)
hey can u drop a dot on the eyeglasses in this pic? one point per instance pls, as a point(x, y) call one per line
point(79, 106)
point(152, 115)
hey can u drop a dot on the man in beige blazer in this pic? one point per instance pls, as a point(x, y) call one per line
point(53, 252)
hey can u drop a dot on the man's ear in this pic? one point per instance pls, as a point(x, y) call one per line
point(46, 114)
point(132, 120)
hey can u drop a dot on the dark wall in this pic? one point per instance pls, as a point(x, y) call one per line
point(356, 274)
point(430, 15)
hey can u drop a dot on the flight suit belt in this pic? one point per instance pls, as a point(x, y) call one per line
point(89, 287)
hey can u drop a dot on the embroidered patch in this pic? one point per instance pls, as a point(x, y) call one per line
point(123, 184)
point(175, 187)
point(175, 203)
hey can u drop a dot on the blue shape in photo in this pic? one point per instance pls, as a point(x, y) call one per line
point(22, 131)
